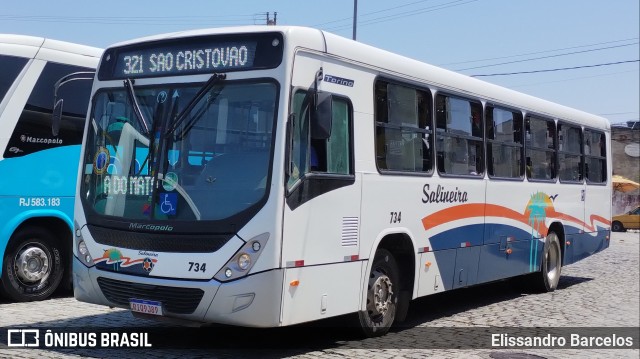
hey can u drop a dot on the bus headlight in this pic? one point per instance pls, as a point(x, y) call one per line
point(83, 254)
point(240, 264)
point(82, 250)
point(244, 261)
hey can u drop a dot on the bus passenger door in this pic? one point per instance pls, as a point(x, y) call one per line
point(322, 206)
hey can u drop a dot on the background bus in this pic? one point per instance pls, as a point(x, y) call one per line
point(268, 176)
point(38, 167)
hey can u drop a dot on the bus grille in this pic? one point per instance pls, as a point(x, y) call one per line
point(159, 242)
point(174, 299)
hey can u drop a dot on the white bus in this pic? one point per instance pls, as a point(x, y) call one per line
point(268, 176)
point(38, 159)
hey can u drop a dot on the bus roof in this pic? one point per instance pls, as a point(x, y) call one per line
point(394, 65)
point(49, 49)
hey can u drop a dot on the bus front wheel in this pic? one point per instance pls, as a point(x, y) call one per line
point(32, 266)
point(382, 295)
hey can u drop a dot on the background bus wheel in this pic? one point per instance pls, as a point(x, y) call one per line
point(549, 276)
point(382, 295)
point(617, 227)
point(32, 266)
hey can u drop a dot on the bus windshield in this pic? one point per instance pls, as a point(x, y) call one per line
point(210, 164)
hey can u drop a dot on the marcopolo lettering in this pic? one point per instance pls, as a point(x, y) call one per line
point(150, 227)
point(338, 80)
point(46, 141)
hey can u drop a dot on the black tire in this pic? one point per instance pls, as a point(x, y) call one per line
point(547, 279)
point(382, 295)
point(617, 227)
point(40, 249)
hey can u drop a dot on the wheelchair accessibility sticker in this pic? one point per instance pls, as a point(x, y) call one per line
point(168, 203)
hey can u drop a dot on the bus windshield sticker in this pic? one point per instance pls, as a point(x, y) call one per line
point(168, 203)
point(169, 181)
point(101, 160)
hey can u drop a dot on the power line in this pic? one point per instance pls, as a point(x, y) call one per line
point(537, 52)
point(547, 57)
point(147, 20)
point(551, 70)
point(405, 14)
point(571, 79)
point(615, 113)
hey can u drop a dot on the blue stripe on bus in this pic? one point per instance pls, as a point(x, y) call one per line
point(44, 173)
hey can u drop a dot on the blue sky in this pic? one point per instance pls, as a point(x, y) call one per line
point(471, 36)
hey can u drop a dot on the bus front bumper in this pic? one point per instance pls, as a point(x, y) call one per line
point(250, 301)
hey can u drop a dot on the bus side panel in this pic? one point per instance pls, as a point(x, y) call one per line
point(41, 173)
point(496, 263)
point(466, 272)
point(322, 291)
point(436, 271)
point(515, 226)
point(320, 229)
point(585, 245)
point(46, 193)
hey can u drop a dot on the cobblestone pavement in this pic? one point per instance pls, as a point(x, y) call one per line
point(600, 291)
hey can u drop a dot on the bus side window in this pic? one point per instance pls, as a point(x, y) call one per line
point(33, 130)
point(541, 149)
point(403, 128)
point(569, 152)
point(595, 160)
point(459, 136)
point(504, 143)
point(11, 67)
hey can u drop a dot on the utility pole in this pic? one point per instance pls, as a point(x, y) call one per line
point(355, 17)
point(275, 18)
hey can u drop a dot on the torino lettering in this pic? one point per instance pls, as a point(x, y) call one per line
point(197, 59)
point(133, 185)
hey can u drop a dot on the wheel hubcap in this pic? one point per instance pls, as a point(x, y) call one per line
point(552, 263)
point(32, 264)
point(381, 293)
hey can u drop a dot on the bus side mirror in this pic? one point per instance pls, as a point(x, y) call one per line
point(321, 120)
point(56, 117)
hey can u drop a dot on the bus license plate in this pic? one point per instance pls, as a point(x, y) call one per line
point(145, 306)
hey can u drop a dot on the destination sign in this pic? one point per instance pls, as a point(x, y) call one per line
point(192, 56)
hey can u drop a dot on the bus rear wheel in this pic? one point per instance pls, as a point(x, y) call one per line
point(33, 265)
point(382, 295)
point(547, 279)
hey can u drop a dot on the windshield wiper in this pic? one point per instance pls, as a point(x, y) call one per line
point(182, 116)
point(128, 85)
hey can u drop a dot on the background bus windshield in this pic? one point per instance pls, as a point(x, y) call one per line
point(211, 164)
